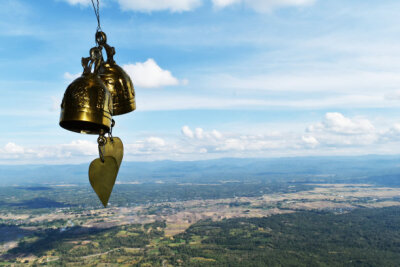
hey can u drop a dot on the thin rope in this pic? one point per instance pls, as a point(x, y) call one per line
point(96, 8)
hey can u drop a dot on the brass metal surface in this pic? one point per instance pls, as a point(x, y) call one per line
point(116, 80)
point(121, 88)
point(86, 106)
point(115, 149)
point(102, 176)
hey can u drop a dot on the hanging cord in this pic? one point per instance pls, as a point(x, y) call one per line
point(96, 8)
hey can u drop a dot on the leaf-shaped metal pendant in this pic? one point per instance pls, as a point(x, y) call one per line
point(102, 176)
point(114, 148)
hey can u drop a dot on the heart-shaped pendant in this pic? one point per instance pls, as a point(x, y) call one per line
point(114, 148)
point(102, 176)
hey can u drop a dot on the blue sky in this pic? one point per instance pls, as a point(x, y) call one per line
point(213, 78)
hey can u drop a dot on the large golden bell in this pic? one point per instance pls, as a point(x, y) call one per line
point(116, 80)
point(87, 106)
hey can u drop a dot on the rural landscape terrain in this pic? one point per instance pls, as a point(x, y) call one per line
point(306, 216)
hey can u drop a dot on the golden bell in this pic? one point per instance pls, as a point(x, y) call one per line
point(121, 88)
point(116, 80)
point(87, 106)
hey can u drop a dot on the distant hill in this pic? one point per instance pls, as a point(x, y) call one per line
point(376, 169)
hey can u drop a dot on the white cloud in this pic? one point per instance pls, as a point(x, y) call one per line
point(216, 134)
point(70, 77)
point(224, 3)
point(149, 75)
point(151, 147)
point(187, 132)
point(12, 148)
point(13, 151)
point(392, 134)
point(395, 95)
point(158, 5)
point(156, 141)
point(337, 123)
point(263, 5)
point(76, 148)
point(338, 130)
point(199, 133)
point(189, 5)
point(79, 147)
point(310, 141)
point(216, 142)
point(336, 134)
point(79, 2)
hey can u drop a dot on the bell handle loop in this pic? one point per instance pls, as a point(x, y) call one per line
point(86, 64)
point(110, 53)
point(97, 57)
point(101, 40)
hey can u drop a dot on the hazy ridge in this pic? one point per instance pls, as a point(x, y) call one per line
point(374, 169)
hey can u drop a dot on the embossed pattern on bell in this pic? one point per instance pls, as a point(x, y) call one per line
point(86, 106)
point(121, 88)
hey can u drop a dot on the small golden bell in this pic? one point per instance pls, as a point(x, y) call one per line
point(116, 80)
point(87, 103)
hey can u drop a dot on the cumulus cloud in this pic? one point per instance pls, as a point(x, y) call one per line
point(310, 141)
point(151, 146)
point(13, 151)
point(79, 150)
point(392, 134)
point(79, 147)
point(187, 132)
point(156, 141)
point(216, 134)
point(216, 142)
point(149, 75)
point(334, 134)
point(200, 134)
point(263, 5)
point(338, 130)
point(158, 5)
point(337, 123)
point(13, 148)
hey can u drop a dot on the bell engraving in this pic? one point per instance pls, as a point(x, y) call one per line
point(86, 104)
point(116, 80)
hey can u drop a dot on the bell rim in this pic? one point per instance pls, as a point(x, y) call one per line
point(90, 122)
point(124, 107)
point(80, 131)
